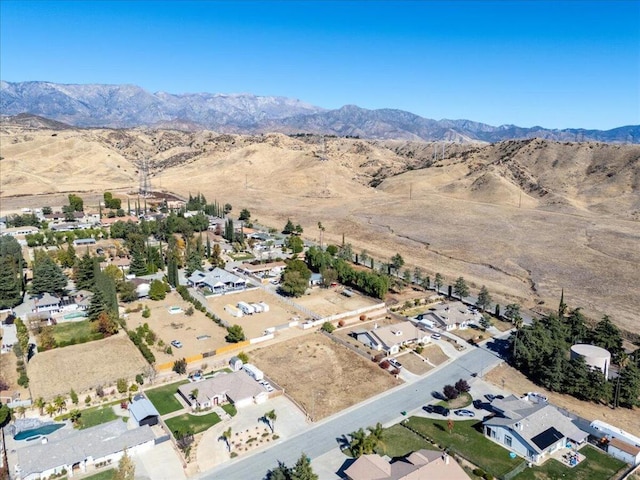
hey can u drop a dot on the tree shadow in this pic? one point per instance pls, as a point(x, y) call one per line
point(439, 427)
point(438, 395)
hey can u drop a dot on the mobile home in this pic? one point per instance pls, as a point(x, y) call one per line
point(246, 308)
point(253, 371)
point(233, 311)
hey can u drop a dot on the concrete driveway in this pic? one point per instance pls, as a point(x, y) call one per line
point(162, 462)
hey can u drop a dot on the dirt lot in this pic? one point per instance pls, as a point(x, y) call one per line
point(180, 327)
point(321, 375)
point(413, 363)
point(329, 301)
point(518, 383)
point(85, 366)
point(9, 374)
point(254, 325)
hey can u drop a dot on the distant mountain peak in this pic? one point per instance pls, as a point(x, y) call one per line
point(120, 106)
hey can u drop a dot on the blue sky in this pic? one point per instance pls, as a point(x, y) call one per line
point(555, 64)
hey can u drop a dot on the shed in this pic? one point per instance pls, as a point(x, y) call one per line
point(624, 451)
point(235, 363)
point(143, 412)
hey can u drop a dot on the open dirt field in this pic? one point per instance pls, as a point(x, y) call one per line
point(9, 374)
point(83, 367)
point(517, 383)
point(329, 301)
point(321, 375)
point(179, 327)
point(254, 325)
point(525, 218)
point(413, 363)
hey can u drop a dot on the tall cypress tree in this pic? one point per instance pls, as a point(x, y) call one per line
point(138, 266)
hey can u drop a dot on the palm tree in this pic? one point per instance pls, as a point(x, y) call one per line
point(50, 409)
point(60, 403)
point(21, 411)
point(271, 416)
point(227, 437)
point(357, 444)
point(518, 323)
point(39, 404)
point(375, 435)
point(194, 395)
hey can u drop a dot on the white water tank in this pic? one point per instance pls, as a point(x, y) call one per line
point(595, 357)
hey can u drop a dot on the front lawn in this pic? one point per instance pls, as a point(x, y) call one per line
point(163, 398)
point(105, 475)
point(198, 423)
point(398, 441)
point(467, 440)
point(597, 466)
point(72, 333)
point(230, 408)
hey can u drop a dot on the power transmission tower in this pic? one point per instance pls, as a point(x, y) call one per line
point(145, 186)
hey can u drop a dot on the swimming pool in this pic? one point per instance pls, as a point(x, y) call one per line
point(71, 316)
point(44, 430)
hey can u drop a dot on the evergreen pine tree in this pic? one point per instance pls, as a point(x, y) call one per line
point(85, 272)
point(138, 266)
point(47, 277)
point(10, 284)
point(97, 305)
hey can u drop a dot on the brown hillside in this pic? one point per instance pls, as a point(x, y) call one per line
point(526, 218)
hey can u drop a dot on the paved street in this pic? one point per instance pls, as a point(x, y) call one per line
point(385, 408)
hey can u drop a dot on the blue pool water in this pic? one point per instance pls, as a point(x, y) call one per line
point(44, 430)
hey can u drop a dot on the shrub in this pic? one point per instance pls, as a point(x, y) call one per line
point(341, 323)
point(146, 312)
point(450, 392)
point(121, 384)
point(478, 472)
point(328, 327)
point(180, 366)
point(100, 391)
point(133, 387)
point(189, 311)
point(363, 317)
point(462, 386)
point(87, 400)
point(139, 379)
point(419, 349)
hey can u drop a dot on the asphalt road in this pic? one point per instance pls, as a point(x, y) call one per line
point(385, 408)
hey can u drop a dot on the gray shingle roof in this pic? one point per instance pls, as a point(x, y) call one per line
point(141, 409)
point(72, 446)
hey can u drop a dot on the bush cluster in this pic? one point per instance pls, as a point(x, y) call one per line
point(186, 296)
point(138, 339)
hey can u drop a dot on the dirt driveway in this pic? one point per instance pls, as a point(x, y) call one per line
point(321, 375)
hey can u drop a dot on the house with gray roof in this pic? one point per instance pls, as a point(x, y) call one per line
point(46, 303)
point(531, 430)
point(237, 388)
point(82, 451)
point(217, 280)
point(391, 338)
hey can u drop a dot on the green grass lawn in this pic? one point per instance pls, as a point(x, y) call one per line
point(468, 441)
point(230, 409)
point(96, 416)
point(105, 475)
point(597, 466)
point(397, 441)
point(163, 397)
point(71, 333)
point(199, 423)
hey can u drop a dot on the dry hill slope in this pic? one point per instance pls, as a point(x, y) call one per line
point(526, 218)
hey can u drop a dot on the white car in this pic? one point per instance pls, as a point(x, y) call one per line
point(436, 336)
point(176, 343)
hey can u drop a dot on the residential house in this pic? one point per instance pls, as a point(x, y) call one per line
point(47, 303)
point(271, 269)
point(391, 338)
point(20, 231)
point(217, 281)
point(423, 464)
point(448, 316)
point(236, 387)
point(531, 430)
point(81, 451)
point(80, 301)
point(80, 242)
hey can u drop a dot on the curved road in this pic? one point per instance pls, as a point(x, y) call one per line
point(385, 408)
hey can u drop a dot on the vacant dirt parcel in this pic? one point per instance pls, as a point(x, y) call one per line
point(331, 301)
point(253, 325)
point(197, 333)
point(85, 366)
point(334, 377)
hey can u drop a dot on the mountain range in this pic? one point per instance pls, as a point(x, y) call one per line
point(127, 106)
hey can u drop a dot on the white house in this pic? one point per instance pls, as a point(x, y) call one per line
point(531, 430)
point(80, 451)
point(392, 337)
point(237, 388)
point(46, 303)
point(218, 281)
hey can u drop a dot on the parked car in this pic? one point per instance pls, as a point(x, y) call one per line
point(436, 336)
point(395, 363)
point(439, 409)
point(464, 413)
point(428, 408)
point(176, 343)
